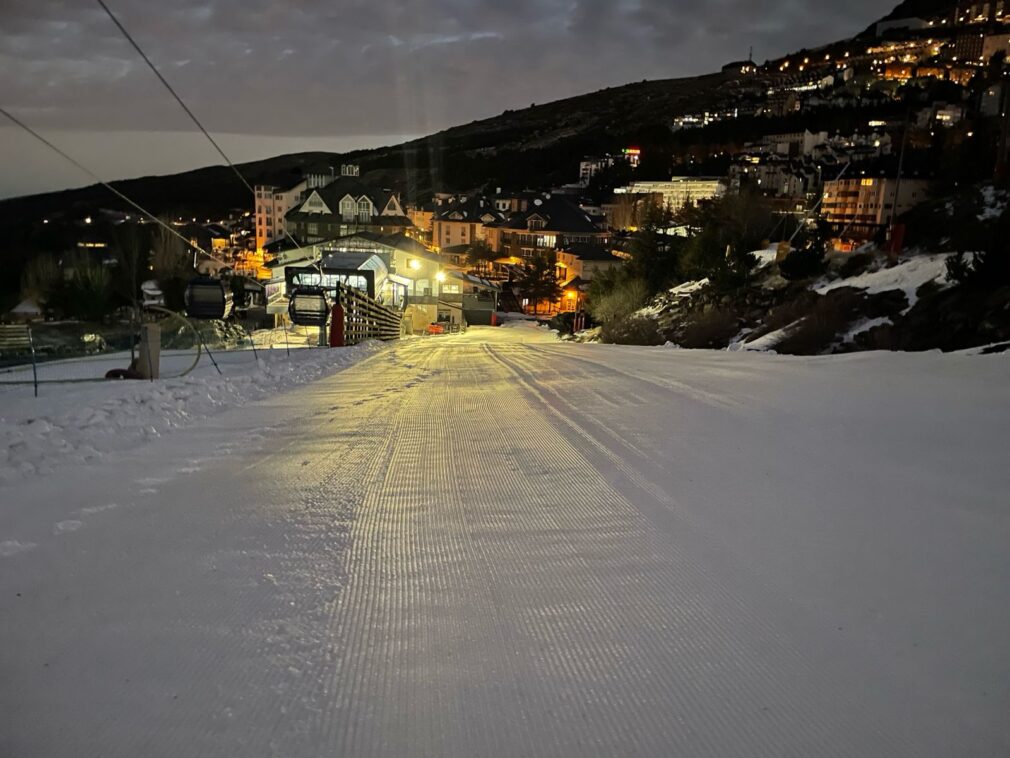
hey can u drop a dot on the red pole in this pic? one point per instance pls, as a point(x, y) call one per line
point(897, 238)
point(337, 326)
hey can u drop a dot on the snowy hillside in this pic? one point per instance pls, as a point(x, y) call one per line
point(853, 302)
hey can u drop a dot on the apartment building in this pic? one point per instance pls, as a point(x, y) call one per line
point(272, 203)
point(860, 207)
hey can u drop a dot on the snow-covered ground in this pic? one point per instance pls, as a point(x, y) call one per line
point(907, 276)
point(81, 422)
point(497, 544)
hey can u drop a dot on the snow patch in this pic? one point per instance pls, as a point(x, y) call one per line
point(865, 325)
point(767, 342)
point(680, 292)
point(908, 276)
point(766, 257)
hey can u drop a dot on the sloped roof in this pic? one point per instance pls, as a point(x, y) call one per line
point(26, 307)
point(342, 186)
point(405, 243)
point(559, 215)
point(576, 283)
point(395, 241)
point(281, 244)
point(217, 230)
point(351, 261)
point(588, 251)
point(473, 209)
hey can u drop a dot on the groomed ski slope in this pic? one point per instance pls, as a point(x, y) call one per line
point(496, 544)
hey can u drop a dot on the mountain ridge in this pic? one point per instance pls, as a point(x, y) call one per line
point(553, 136)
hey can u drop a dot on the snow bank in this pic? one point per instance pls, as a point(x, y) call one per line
point(78, 423)
point(672, 295)
point(907, 276)
point(529, 322)
point(864, 325)
point(768, 342)
point(767, 256)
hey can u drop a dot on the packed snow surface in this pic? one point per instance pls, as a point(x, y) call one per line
point(496, 544)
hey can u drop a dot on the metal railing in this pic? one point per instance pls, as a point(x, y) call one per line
point(16, 339)
point(364, 318)
point(75, 352)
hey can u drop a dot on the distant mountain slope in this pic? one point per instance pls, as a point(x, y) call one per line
point(921, 9)
point(539, 145)
point(566, 128)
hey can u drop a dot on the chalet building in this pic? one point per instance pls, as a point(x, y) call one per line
point(549, 223)
point(408, 269)
point(578, 264)
point(514, 202)
point(455, 256)
point(585, 260)
point(460, 220)
point(345, 206)
point(274, 201)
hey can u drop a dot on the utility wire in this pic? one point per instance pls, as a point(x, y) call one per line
point(174, 94)
point(104, 183)
point(818, 204)
point(189, 113)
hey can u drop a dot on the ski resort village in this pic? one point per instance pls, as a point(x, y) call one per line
point(664, 420)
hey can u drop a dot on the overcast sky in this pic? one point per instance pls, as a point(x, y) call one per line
point(346, 73)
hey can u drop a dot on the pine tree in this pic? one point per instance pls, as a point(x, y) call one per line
point(538, 280)
point(481, 256)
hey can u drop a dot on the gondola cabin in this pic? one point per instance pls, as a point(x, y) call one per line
point(208, 298)
point(308, 306)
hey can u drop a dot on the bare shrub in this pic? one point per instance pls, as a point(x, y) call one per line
point(710, 330)
point(632, 330)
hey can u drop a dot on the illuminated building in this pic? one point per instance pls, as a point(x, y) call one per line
point(860, 206)
point(679, 191)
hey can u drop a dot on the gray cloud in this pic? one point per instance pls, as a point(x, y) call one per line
point(264, 66)
point(355, 67)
